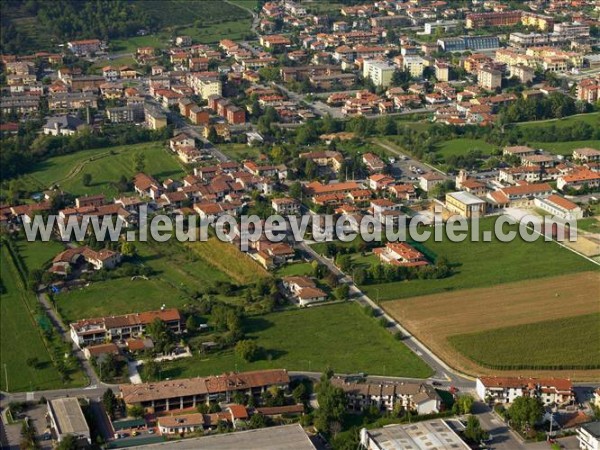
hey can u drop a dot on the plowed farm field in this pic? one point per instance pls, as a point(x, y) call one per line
point(433, 319)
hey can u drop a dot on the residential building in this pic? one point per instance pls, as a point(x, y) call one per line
point(373, 162)
point(489, 78)
point(444, 25)
point(126, 114)
point(519, 150)
point(85, 47)
point(442, 71)
point(182, 423)
point(506, 389)
point(379, 72)
point(524, 73)
point(521, 195)
point(191, 392)
point(429, 180)
point(588, 436)
point(66, 418)
point(22, 104)
point(154, 116)
point(434, 434)
point(303, 290)
point(418, 397)
point(588, 90)
point(284, 205)
point(586, 155)
point(400, 254)
point(559, 207)
point(72, 101)
point(98, 259)
point(414, 64)
point(492, 19)
point(99, 330)
point(465, 204)
point(66, 125)
point(578, 179)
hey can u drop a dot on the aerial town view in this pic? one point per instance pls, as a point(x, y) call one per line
point(300, 224)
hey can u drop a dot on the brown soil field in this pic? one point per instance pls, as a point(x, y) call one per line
point(433, 318)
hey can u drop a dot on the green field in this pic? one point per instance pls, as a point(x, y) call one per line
point(36, 254)
point(340, 336)
point(591, 118)
point(462, 146)
point(21, 339)
point(214, 32)
point(564, 148)
point(239, 152)
point(590, 224)
point(478, 264)
point(130, 45)
point(295, 269)
point(178, 274)
point(106, 165)
point(569, 342)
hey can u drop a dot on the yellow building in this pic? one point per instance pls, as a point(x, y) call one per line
point(465, 204)
point(489, 79)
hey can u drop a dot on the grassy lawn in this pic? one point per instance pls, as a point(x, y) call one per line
point(178, 274)
point(478, 264)
point(340, 336)
point(119, 296)
point(591, 118)
point(462, 146)
point(21, 339)
point(229, 260)
point(106, 165)
point(36, 254)
point(295, 269)
point(213, 33)
point(590, 224)
point(571, 342)
point(239, 152)
point(130, 45)
point(564, 148)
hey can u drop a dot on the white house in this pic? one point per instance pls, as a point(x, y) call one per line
point(507, 389)
point(285, 205)
point(588, 436)
point(429, 180)
point(560, 207)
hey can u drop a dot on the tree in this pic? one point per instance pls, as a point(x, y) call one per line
point(136, 411)
point(257, 421)
point(247, 350)
point(191, 324)
point(139, 162)
point(69, 442)
point(465, 403)
point(473, 430)
point(332, 404)
point(525, 411)
point(87, 179)
point(128, 249)
point(341, 292)
point(295, 190)
point(150, 370)
point(161, 335)
point(300, 393)
point(109, 401)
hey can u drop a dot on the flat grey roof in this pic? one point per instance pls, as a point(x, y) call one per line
point(69, 417)
point(286, 437)
point(593, 428)
point(432, 435)
point(466, 198)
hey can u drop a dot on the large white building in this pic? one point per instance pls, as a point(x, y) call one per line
point(434, 434)
point(588, 436)
point(507, 389)
point(379, 72)
point(66, 418)
point(560, 207)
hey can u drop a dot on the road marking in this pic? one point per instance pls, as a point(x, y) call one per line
point(30, 396)
point(418, 353)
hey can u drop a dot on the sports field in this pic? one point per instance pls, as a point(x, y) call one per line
point(106, 166)
point(433, 319)
point(340, 336)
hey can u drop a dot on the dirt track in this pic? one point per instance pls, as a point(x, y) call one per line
point(432, 318)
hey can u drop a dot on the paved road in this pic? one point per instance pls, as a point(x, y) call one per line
point(502, 437)
point(410, 161)
point(441, 369)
